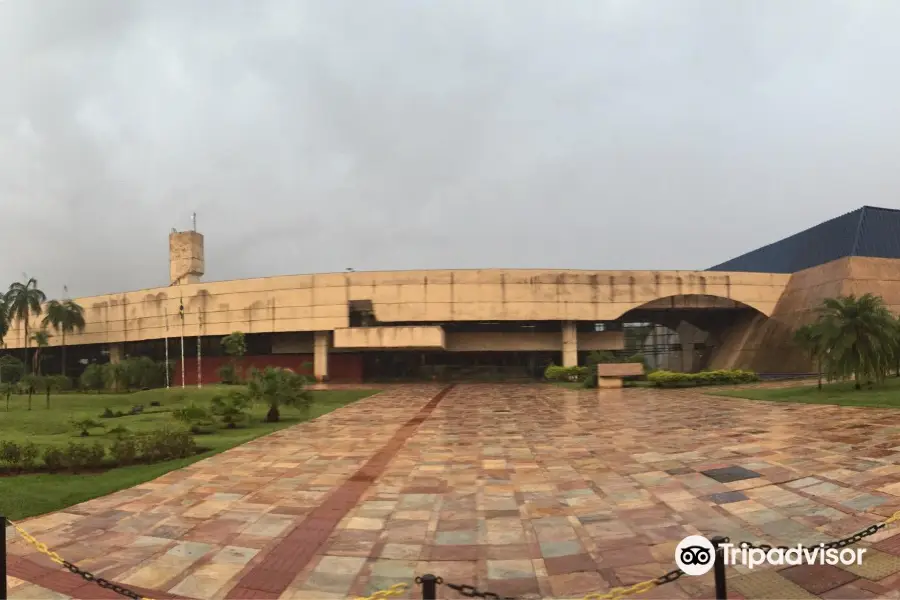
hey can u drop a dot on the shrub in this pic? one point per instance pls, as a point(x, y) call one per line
point(54, 458)
point(85, 425)
point(10, 453)
point(79, 456)
point(166, 444)
point(116, 376)
point(119, 431)
point(228, 374)
point(720, 377)
point(124, 450)
point(203, 427)
point(93, 378)
point(107, 413)
point(30, 453)
point(231, 409)
point(555, 373)
point(155, 403)
point(196, 418)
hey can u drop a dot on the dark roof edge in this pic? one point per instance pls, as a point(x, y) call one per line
point(793, 235)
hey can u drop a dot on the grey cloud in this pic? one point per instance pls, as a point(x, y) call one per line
point(315, 136)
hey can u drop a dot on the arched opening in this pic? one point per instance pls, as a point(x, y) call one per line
point(693, 332)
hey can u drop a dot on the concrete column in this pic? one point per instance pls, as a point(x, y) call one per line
point(569, 344)
point(116, 353)
point(320, 356)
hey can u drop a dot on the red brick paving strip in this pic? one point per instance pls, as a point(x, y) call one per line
point(279, 568)
point(69, 584)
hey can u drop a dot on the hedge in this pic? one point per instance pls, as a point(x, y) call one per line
point(556, 373)
point(150, 447)
point(720, 377)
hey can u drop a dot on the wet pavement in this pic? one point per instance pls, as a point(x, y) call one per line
point(525, 490)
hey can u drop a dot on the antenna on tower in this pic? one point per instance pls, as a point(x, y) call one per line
point(194, 220)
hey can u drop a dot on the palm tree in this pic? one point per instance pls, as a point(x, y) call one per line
point(278, 387)
point(41, 340)
point(858, 336)
point(23, 301)
point(65, 317)
point(4, 320)
point(810, 338)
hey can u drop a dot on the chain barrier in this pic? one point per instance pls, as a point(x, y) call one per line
point(429, 583)
point(86, 575)
point(841, 543)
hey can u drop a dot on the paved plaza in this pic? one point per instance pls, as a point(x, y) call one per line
point(517, 489)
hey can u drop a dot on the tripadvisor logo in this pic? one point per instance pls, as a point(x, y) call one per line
point(695, 555)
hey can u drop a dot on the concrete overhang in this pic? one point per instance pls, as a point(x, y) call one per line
point(429, 337)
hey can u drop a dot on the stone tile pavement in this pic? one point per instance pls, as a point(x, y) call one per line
point(526, 490)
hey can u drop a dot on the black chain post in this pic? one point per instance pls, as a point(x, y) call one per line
point(429, 586)
point(719, 567)
point(3, 559)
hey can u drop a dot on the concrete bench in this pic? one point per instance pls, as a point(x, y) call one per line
point(609, 375)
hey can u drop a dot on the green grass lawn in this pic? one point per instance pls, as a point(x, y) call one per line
point(27, 495)
point(886, 395)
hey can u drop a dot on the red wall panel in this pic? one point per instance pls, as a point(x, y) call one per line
point(341, 367)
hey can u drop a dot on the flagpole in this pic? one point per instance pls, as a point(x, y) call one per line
point(199, 372)
point(181, 313)
point(167, 346)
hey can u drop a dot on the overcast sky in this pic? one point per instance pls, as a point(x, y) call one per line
point(318, 135)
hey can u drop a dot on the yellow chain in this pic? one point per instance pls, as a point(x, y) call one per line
point(893, 518)
point(398, 589)
point(41, 547)
point(621, 592)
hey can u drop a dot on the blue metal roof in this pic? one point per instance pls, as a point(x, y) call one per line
point(867, 231)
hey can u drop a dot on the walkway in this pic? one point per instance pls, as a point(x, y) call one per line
point(515, 489)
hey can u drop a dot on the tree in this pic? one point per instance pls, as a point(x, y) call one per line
point(858, 337)
point(278, 387)
point(23, 301)
point(65, 317)
point(810, 337)
point(11, 369)
point(235, 345)
point(41, 339)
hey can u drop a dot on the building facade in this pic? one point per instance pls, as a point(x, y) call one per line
point(370, 325)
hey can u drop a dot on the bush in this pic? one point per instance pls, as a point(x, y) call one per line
point(116, 376)
point(54, 458)
point(203, 427)
point(231, 409)
point(10, 453)
point(93, 378)
point(119, 431)
point(107, 413)
point(720, 377)
point(85, 425)
point(155, 403)
point(555, 373)
point(124, 450)
point(166, 444)
point(144, 373)
point(79, 456)
point(30, 453)
point(228, 374)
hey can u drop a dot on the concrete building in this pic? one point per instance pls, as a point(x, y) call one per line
point(369, 325)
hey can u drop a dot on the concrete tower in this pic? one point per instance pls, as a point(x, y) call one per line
point(186, 264)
